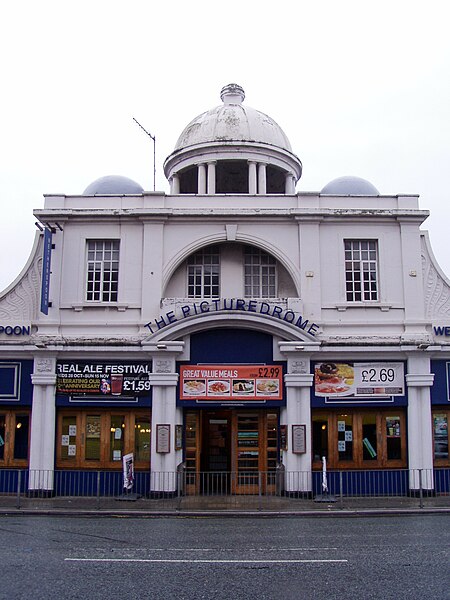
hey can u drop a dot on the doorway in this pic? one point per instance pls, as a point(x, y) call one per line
point(231, 451)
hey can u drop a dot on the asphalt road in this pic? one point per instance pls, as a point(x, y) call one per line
point(238, 558)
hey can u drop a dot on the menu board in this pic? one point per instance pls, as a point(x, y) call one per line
point(229, 382)
point(359, 379)
point(102, 379)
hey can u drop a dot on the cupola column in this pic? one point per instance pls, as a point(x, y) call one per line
point(262, 178)
point(251, 177)
point(290, 184)
point(201, 178)
point(174, 184)
point(212, 177)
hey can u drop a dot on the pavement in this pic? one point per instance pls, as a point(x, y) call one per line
point(237, 505)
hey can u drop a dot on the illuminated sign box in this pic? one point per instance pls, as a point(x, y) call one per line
point(231, 382)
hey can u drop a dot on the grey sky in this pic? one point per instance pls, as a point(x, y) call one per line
point(360, 88)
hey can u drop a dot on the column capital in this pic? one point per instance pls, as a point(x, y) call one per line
point(43, 379)
point(420, 380)
point(299, 380)
point(163, 379)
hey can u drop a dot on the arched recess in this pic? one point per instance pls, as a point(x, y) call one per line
point(221, 237)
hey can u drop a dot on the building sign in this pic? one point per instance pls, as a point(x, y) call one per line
point(102, 379)
point(46, 264)
point(15, 329)
point(229, 382)
point(233, 304)
point(441, 330)
point(359, 379)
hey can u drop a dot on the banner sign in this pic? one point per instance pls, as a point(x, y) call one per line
point(46, 262)
point(229, 382)
point(359, 379)
point(103, 379)
point(128, 471)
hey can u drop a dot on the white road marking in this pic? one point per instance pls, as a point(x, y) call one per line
point(211, 561)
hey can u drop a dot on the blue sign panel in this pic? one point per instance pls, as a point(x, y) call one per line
point(440, 391)
point(15, 382)
point(46, 262)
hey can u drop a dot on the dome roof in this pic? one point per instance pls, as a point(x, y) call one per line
point(350, 186)
point(113, 184)
point(233, 122)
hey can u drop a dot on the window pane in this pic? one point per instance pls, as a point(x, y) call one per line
point(320, 437)
point(345, 437)
point(393, 438)
point(68, 438)
point(102, 268)
point(260, 273)
point(2, 436)
point(117, 433)
point(440, 434)
point(93, 430)
point(142, 430)
point(21, 431)
point(361, 258)
point(369, 434)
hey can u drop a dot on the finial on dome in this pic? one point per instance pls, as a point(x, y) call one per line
point(232, 94)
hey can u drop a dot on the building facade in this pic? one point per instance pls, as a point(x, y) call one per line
point(231, 326)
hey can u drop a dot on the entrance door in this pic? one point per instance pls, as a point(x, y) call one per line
point(215, 461)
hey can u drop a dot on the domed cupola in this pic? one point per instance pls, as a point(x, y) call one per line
point(233, 149)
point(350, 186)
point(113, 184)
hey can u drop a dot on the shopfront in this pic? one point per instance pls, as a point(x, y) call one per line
point(440, 403)
point(359, 415)
point(103, 413)
point(15, 412)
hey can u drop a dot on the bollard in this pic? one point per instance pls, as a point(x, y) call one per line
point(420, 489)
point(98, 490)
point(19, 481)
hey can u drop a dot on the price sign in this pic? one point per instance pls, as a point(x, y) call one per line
point(385, 379)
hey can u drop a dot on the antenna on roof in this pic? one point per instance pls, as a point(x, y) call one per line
point(154, 151)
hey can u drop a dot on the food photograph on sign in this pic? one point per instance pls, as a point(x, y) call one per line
point(210, 382)
point(358, 379)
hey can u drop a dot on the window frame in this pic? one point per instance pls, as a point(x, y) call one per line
point(105, 461)
point(440, 462)
point(99, 267)
point(357, 461)
point(8, 459)
point(354, 265)
point(196, 262)
point(271, 268)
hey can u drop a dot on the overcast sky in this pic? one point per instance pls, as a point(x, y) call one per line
point(360, 88)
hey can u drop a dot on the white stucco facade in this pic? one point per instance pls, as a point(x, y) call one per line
point(308, 314)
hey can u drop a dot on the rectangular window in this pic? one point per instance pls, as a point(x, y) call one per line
point(203, 273)
point(361, 270)
point(98, 439)
point(14, 438)
point(260, 274)
point(102, 270)
point(359, 439)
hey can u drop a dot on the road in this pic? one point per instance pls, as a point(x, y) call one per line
point(238, 558)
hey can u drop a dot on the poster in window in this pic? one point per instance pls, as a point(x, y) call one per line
point(299, 439)
point(178, 437)
point(351, 379)
point(283, 437)
point(72, 430)
point(72, 450)
point(393, 426)
point(65, 440)
point(163, 439)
